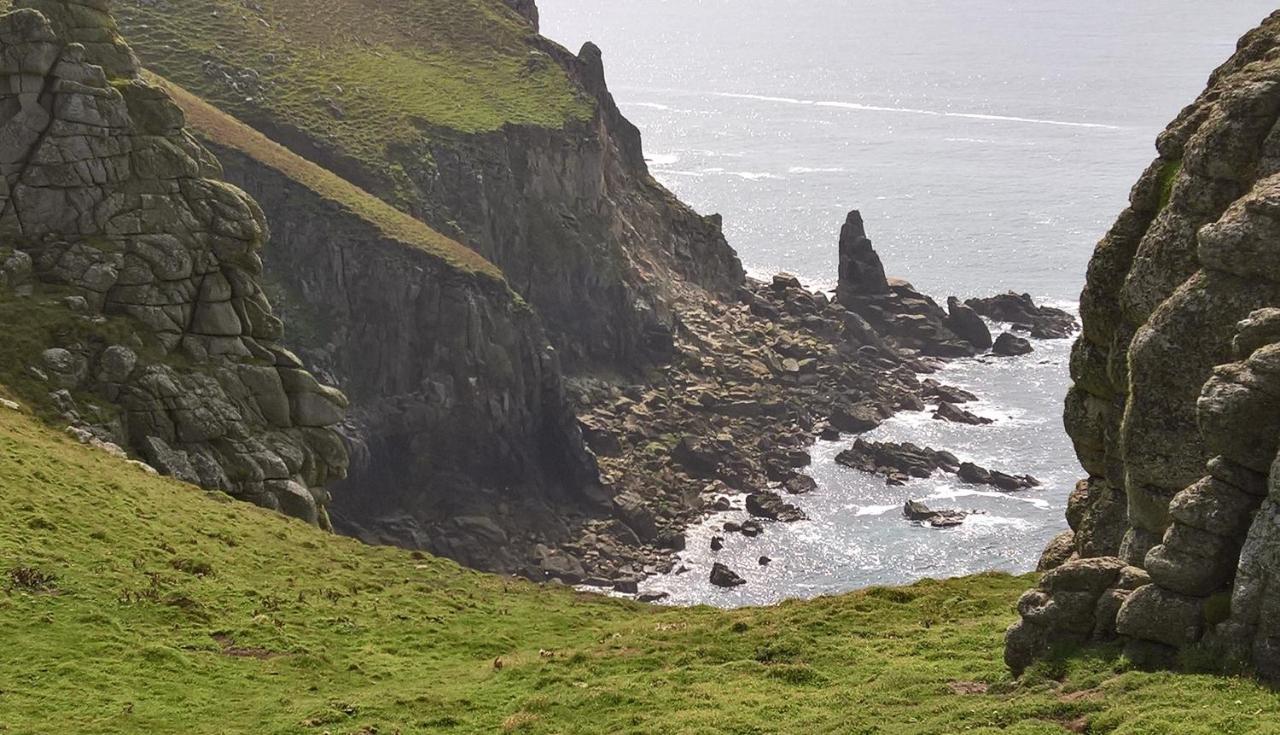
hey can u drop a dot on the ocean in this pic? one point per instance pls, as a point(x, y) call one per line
point(989, 144)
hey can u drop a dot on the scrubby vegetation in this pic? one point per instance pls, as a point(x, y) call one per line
point(134, 604)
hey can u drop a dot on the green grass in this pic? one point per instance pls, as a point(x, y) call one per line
point(1168, 175)
point(131, 604)
point(35, 323)
point(360, 78)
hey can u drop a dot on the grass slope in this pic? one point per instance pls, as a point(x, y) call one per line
point(215, 126)
point(132, 603)
point(356, 76)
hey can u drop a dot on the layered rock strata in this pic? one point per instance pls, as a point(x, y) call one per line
point(1174, 412)
point(111, 205)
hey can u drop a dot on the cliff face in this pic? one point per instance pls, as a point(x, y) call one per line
point(463, 442)
point(139, 268)
point(565, 207)
point(1173, 412)
point(462, 117)
point(582, 231)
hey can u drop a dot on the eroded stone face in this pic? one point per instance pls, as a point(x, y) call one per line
point(1177, 386)
point(103, 191)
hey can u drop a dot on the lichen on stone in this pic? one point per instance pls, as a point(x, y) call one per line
point(105, 195)
point(1175, 411)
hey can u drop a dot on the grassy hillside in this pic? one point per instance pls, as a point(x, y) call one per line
point(135, 604)
point(358, 77)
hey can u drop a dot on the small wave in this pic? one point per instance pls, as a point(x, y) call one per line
point(722, 171)
point(650, 105)
point(755, 175)
point(808, 170)
point(662, 159)
point(914, 111)
point(716, 154)
point(875, 510)
point(987, 521)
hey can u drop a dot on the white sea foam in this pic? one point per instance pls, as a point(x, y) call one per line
point(650, 105)
point(756, 175)
point(810, 170)
point(662, 159)
point(914, 111)
point(678, 172)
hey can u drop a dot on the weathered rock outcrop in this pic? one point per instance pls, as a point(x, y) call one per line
point(1041, 322)
point(900, 462)
point(526, 9)
point(579, 226)
point(569, 213)
point(464, 442)
point(1174, 413)
point(106, 197)
point(895, 309)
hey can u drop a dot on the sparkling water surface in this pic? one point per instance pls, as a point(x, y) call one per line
point(988, 144)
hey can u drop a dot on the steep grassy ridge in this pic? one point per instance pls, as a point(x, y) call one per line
point(221, 129)
point(358, 77)
point(133, 603)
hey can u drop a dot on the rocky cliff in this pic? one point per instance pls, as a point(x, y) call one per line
point(132, 275)
point(1174, 411)
point(464, 444)
point(537, 171)
point(463, 441)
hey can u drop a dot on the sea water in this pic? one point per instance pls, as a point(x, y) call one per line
point(988, 144)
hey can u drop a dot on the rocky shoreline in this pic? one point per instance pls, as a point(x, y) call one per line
point(729, 423)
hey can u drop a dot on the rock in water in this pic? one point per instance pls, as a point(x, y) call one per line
point(917, 512)
point(896, 461)
point(770, 505)
point(1043, 322)
point(975, 475)
point(1011, 345)
point(955, 414)
point(891, 306)
point(946, 393)
point(967, 324)
point(722, 576)
point(861, 272)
